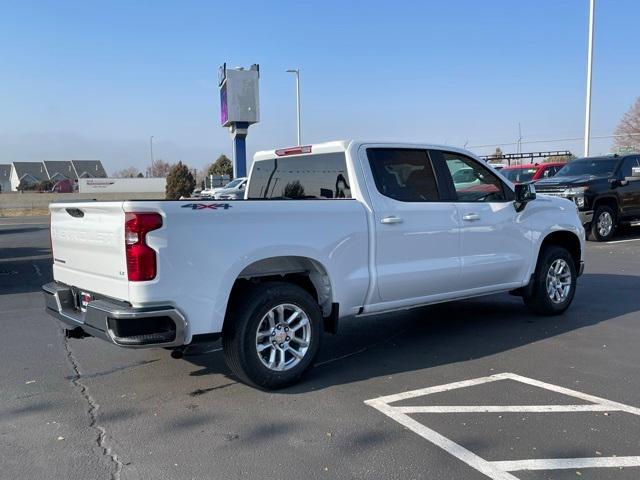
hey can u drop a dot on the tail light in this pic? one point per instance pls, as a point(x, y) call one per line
point(141, 258)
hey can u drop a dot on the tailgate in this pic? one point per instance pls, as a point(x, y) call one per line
point(87, 239)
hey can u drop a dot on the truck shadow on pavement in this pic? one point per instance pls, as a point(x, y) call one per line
point(440, 334)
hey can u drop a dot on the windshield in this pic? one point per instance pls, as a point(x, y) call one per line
point(596, 167)
point(234, 183)
point(519, 175)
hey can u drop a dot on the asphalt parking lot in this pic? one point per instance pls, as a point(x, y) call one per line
point(471, 390)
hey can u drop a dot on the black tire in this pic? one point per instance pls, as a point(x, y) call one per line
point(595, 230)
point(539, 300)
point(239, 335)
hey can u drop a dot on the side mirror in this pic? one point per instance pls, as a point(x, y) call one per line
point(525, 192)
point(618, 182)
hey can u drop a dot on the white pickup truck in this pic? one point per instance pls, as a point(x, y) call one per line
point(326, 232)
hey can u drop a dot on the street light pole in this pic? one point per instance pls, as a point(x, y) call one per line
point(297, 72)
point(587, 120)
point(152, 161)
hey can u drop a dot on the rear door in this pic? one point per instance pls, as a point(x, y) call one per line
point(416, 226)
point(495, 247)
point(88, 247)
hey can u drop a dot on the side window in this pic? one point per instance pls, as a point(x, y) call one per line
point(301, 177)
point(472, 181)
point(403, 174)
point(629, 163)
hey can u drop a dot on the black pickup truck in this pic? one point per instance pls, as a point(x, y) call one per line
point(606, 191)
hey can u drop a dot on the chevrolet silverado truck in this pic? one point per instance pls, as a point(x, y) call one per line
point(326, 232)
point(606, 191)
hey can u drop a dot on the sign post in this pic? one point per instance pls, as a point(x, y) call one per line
point(239, 108)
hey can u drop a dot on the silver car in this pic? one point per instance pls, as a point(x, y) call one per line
point(234, 190)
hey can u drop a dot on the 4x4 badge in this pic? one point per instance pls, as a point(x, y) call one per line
point(202, 206)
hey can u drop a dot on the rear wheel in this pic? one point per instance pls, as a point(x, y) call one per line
point(603, 224)
point(273, 335)
point(554, 282)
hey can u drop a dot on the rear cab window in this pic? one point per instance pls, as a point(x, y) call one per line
point(403, 174)
point(318, 176)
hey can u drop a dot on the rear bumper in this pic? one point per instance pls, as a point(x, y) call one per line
point(117, 323)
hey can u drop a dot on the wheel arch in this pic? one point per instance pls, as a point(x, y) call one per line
point(608, 201)
point(566, 239)
point(305, 272)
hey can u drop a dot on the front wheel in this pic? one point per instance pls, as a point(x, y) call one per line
point(554, 282)
point(603, 224)
point(272, 335)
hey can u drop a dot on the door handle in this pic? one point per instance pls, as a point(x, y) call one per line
point(471, 217)
point(391, 219)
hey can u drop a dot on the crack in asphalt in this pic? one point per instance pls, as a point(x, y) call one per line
point(92, 411)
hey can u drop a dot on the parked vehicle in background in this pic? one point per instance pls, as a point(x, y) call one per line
point(497, 166)
point(234, 190)
point(328, 232)
point(606, 191)
point(531, 172)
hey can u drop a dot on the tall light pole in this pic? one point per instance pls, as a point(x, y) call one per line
point(152, 161)
point(297, 72)
point(587, 120)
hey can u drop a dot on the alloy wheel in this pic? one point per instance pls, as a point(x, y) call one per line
point(283, 337)
point(558, 281)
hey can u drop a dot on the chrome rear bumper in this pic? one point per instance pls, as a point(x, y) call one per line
point(116, 322)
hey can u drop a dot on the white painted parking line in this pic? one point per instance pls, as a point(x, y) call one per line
point(624, 241)
point(506, 409)
point(500, 470)
point(567, 463)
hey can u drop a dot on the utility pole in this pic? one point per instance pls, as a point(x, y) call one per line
point(297, 73)
point(587, 120)
point(152, 161)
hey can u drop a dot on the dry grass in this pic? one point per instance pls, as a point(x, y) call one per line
point(24, 212)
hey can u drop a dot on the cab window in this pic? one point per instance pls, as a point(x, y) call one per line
point(403, 174)
point(472, 181)
point(301, 177)
point(627, 167)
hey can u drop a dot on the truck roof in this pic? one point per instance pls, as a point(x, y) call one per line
point(343, 145)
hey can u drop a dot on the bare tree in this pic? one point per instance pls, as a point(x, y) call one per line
point(129, 172)
point(629, 128)
point(497, 154)
point(160, 169)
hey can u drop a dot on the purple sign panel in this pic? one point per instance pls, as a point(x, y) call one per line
point(224, 111)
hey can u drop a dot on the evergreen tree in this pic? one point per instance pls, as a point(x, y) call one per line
point(180, 182)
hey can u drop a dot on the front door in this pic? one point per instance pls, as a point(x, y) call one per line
point(416, 227)
point(495, 246)
point(629, 192)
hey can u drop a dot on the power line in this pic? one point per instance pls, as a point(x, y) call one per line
point(553, 140)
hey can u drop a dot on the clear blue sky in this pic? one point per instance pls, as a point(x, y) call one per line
point(92, 79)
